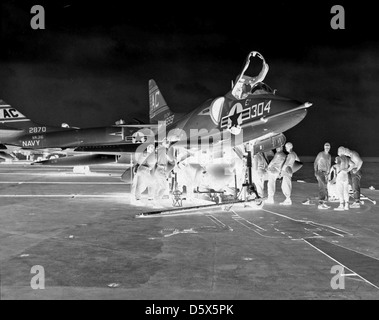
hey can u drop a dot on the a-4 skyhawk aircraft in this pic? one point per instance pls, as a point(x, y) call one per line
point(215, 137)
point(258, 116)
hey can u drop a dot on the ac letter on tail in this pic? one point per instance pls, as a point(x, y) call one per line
point(9, 113)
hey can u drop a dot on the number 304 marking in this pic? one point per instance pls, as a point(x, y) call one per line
point(37, 129)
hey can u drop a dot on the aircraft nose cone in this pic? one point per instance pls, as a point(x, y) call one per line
point(289, 113)
point(295, 104)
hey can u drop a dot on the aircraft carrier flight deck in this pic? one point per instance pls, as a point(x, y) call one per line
point(85, 234)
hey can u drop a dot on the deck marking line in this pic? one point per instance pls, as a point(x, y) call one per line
point(324, 253)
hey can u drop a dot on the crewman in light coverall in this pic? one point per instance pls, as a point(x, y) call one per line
point(273, 170)
point(342, 166)
point(164, 165)
point(143, 178)
point(354, 175)
point(322, 166)
point(286, 173)
point(259, 172)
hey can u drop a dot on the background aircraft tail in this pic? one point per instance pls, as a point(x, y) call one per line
point(14, 119)
point(159, 110)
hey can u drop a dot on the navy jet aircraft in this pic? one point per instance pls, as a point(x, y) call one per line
point(16, 130)
point(251, 118)
point(256, 114)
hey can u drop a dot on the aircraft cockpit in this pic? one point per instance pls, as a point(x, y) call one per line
point(261, 88)
point(246, 89)
point(246, 85)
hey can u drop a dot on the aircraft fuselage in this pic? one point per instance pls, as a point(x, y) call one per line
point(254, 117)
point(68, 138)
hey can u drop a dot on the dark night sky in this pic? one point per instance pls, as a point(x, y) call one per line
point(91, 65)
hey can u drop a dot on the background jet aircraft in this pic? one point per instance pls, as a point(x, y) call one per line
point(106, 142)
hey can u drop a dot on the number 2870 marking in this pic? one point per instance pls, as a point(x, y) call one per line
point(37, 129)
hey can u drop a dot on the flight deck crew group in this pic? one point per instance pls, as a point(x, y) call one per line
point(344, 173)
point(281, 166)
point(151, 174)
point(336, 179)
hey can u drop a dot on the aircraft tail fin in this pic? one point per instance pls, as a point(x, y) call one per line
point(11, 117)
point(159, 110)
point(14, 119)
